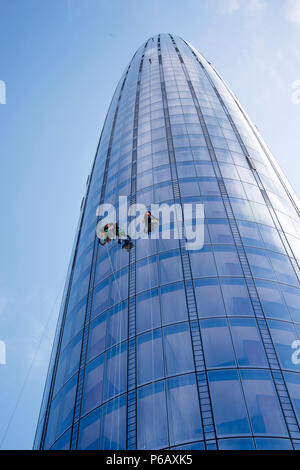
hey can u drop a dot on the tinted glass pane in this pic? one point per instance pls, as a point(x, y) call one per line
point(178, 349)
point(152, 417)
point(247, 342)
point(272, 300)
point(284, 335)
point(89, 432)
point(170, 267)
point(149, 357)
point(209, 298)
point(113, 425)
point(293, 385)
point(217, 344)
point(236, 297)
point(147, 311)
point(262, 402)
point(97, 336)
point(115, 371)
point(183, 410)
point(93, 384)
point(228, 404)
point(173, 302)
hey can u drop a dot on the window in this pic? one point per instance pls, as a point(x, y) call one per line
point(183, 410)
point(173, 302)
point(219, 231)
point(262, 403)
point(74, 322)
point(292, 298)
point(101, 298)
point(236, 444)
point(209, 298)
point(260, 264)
point(273, 444)
point(68, 362)
point(202, 262)
point(170, 267)
point(117, 324)
point(283, 335)
point(271, 238)
point(247, 342)
point(93, 384)
point(283, 269)
point(152, 432)
point(178, 349)
point(61, 413)
point(250, 234)
point(146, 274)
point(228, 404)
point(217, 344)
point(150, 357)
point(271, 300)
point(113, 425)
point(115, 376)
point(236, 297)
point(293, 385)
point(147, 311)
point(89, 432)
point(227, 261)
point(97, 337)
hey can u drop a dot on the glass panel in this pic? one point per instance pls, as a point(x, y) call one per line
point(260, 264)
point(183, 410)
point(228, 404)
point(293, 385)
point(236, 444)
point(146, 274)
point(292, 298)
point(97, 335)
point(236, 297)
point(227, 261)
point(202, 262)
point(113, 425)
point(173, 303)
point(247, 342)
point(283, 269)
point(262, 402)
point(115, 371)
point(170, 267)
point(152, 432)
point(150, 365)
point(178, 349)
point(93, 384)
point(209, 298)
point(147, 311)
point(217, 344)
point(271, 300)
point(284, 335)
point(250, 234)
point(219, 231)
point(273, 444)
point(89, 432)
point(117, 328)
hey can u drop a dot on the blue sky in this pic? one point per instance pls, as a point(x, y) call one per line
point(61, 60)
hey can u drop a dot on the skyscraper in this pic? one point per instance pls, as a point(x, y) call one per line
point(160, 347)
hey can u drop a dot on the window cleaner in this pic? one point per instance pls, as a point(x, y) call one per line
point(150, 222)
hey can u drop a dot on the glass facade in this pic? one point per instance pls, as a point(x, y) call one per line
point(164, 348)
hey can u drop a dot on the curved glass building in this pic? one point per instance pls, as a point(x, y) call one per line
point(164, 348)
